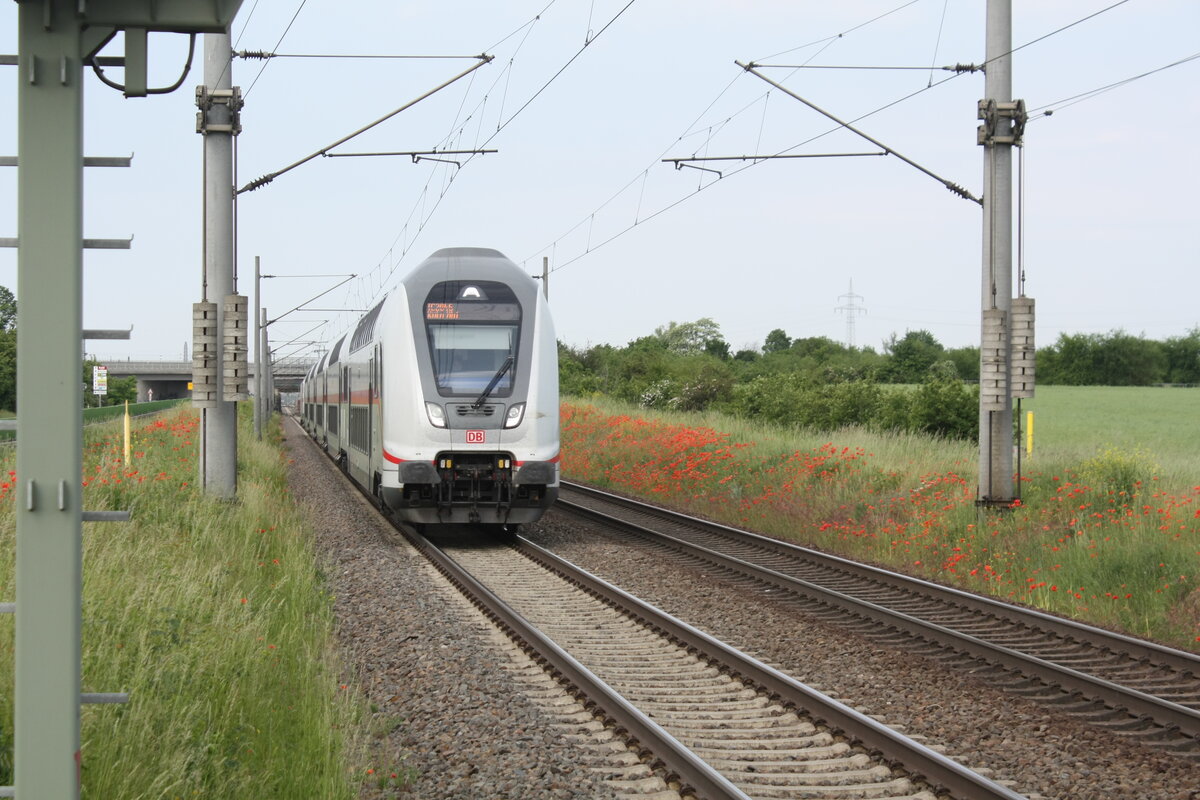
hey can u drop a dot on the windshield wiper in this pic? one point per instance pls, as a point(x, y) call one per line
point(508, 362)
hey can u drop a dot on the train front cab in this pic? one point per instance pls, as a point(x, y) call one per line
point(487, 406)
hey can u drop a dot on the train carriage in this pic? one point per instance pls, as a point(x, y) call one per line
point(442, 402)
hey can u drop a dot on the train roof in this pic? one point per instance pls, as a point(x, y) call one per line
point(473, 263)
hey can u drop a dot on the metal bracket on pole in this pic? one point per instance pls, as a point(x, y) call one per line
point(207, 99)
point(108, 244)
point(103, 697)
point(88, 244)
point(992, 112)
point(105, 516)
point(88, 161)
point(92, 333)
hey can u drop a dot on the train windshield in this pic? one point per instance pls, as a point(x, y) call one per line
point(467, 357)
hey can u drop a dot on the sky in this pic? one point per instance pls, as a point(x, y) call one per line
point(582, 102)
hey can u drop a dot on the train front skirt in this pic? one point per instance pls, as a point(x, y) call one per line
point(474, 487)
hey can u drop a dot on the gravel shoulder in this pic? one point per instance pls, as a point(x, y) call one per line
point(455, 708)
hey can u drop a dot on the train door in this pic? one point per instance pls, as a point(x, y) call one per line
point(373, 416)
point(344, 403)
point(324, 412)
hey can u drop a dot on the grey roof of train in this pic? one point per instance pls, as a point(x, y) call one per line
point(484, 264)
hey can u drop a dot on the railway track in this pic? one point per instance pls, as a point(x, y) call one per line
point(1125, 685)
point(715, 722)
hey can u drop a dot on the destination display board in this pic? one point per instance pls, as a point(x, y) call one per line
point(473, 312)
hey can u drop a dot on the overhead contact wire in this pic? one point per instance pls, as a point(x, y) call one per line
point(826, 41)
point(282, 36)
point(937, 44)
point(837, 36)
point(528, 28)
point(1079, 98)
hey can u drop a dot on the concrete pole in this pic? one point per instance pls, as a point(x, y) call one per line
point(259, 413)
point(264, 383)
point(995, 422)
point(50, 444)
point(546, 277)
point(218, 442)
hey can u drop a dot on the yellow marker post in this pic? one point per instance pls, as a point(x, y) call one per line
point(127, 434)
point(1029, 434)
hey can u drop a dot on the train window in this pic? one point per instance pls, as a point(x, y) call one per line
point(336, 352)
point(366, 327)
point(466, 358)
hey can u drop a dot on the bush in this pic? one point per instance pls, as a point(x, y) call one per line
point(943, 405)
point(946, 407)
point(658, 395)
point(1116, 471)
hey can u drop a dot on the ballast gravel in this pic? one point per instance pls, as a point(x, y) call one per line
point(452, 712)
point(1009, 739)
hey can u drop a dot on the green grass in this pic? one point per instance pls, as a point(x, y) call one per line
point(1108, 529)
point(214, 617)
point(1074, 423)
point(91, 416)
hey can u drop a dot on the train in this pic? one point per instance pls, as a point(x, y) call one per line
point(442, 402)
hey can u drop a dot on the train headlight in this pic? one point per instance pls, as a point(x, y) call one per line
point(437, 415)
point(516, 413)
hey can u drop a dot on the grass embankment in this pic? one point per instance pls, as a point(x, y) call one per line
point(1107, 530)
point(214, 617)
point(92, 416)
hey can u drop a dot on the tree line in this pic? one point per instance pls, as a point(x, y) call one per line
point(914, 383)
point(119, 389)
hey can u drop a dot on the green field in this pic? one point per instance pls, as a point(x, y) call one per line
point(1074, 423)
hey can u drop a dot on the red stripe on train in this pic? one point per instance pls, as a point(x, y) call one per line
point(557, 458)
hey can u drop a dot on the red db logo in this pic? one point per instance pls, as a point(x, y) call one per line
point(475, 437)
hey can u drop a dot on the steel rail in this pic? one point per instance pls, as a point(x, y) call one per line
point(1187, 663)
point(929, 766)
point(695, 776)
point(1170, 715)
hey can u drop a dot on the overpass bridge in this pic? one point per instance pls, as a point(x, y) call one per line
point(168, 380)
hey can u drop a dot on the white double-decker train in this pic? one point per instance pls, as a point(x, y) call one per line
point(442, 402)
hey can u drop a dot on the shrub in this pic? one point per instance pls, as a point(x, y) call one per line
point(658, 395)
point(1117, 471)
point(945, 407)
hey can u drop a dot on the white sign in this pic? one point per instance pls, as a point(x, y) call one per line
point(99, 380)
